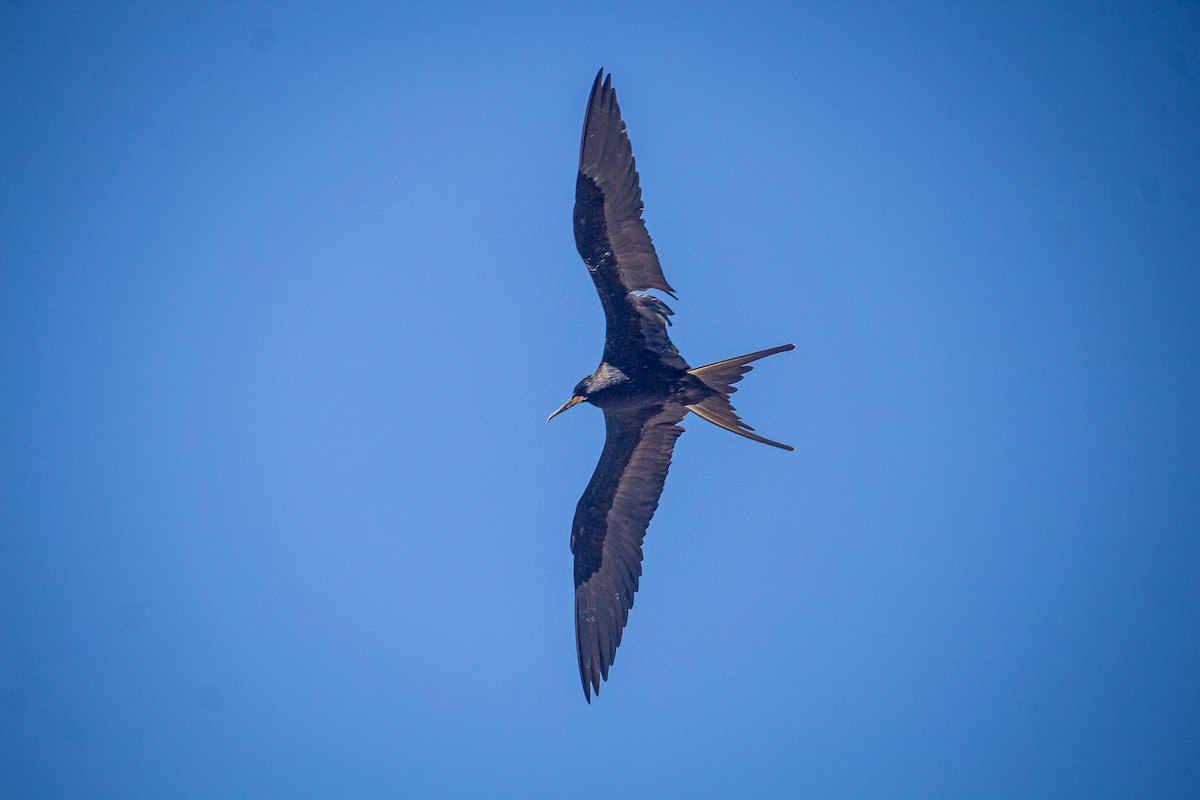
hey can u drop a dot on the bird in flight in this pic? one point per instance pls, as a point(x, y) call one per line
point(643, 385)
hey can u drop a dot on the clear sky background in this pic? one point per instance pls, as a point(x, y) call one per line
point(288, 290)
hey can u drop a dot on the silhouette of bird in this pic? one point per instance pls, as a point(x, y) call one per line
point(643, 385)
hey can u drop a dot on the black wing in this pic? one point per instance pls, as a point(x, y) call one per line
point(610, 524)
point(612, 239)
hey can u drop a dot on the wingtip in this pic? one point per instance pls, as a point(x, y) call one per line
point(602, 84)
point(601, 87)
point(588, 688)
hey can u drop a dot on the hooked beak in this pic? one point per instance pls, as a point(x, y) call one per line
point(573, 401)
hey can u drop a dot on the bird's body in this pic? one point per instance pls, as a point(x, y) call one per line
point(643, 385)
point(611, 387)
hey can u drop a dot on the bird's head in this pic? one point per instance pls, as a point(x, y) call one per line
point(580, 393)
point(605, 378)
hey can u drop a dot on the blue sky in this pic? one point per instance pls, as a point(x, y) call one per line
point(288, 290)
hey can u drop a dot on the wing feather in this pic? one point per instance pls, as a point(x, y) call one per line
point(610, 525)
point(612, 239)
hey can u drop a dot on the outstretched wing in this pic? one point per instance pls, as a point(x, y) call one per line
point(612, 238)
point(610, 524)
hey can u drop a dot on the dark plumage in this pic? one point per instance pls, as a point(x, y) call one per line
point(643, 385)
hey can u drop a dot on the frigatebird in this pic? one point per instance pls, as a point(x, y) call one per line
point(643, 385)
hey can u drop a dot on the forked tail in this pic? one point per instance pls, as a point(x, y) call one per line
point(721, 377)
